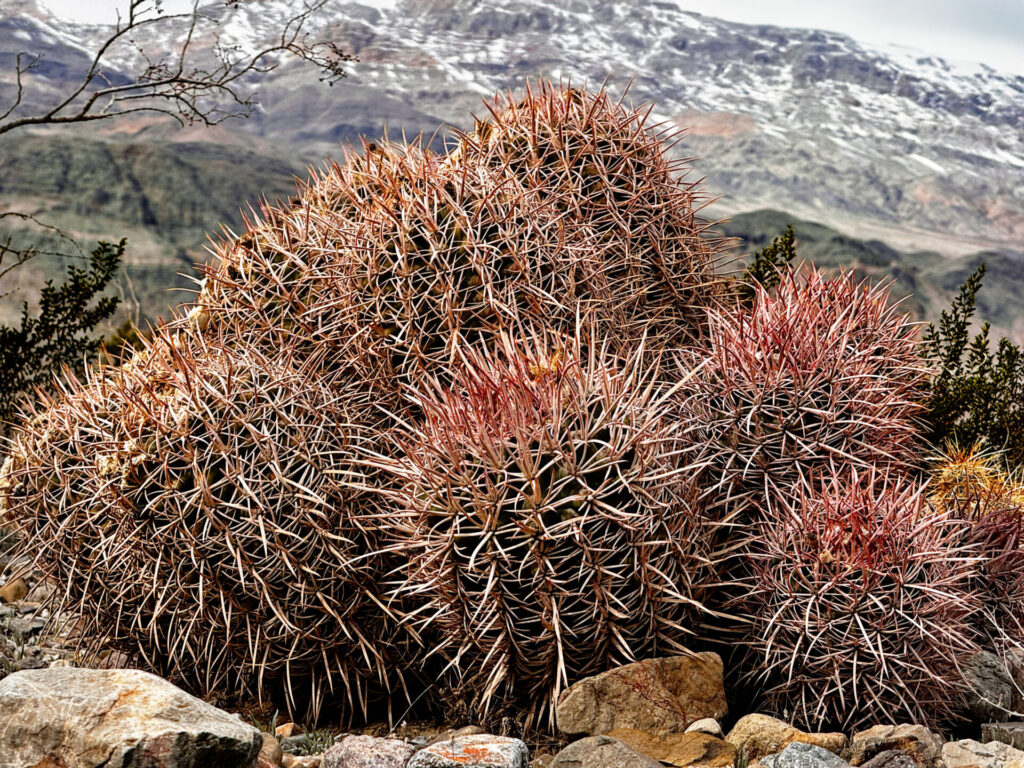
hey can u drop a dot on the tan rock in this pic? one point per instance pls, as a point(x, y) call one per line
point(86, 718)
point(973, 754)
point(301, 761)
point(681, 750)
point(657, 695)
point(13, 591)
point(923, 746)
point(287, 730)
point(707, 725)
point(759, 735)
point(270, 755)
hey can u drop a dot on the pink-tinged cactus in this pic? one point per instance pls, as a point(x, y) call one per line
point(821, 375)
point(550, 529)
point(863, 603)
point(196, 510)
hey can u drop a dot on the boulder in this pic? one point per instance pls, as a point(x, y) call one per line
point(367, 752)
point(922, 745)
point(891, 758)
point(992, 692)
point(759, 735)
point(116, 718)
point(680, 750)
point(1007, 733)
point(707, 725)
point(973, 754)
point(803, 755)
point(657, 695)
point(601, 752)
point(478, 751)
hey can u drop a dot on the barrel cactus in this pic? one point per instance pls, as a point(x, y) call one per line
point(550, 530)
point(821, 375)
point(194, 508)
point(862, 604)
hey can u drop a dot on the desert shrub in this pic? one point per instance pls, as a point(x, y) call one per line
point(975, 395)
point(551, 532)
point(821, 375)
point(862, 601)
point(768, 266)
point(196, 509)
point(60, 332)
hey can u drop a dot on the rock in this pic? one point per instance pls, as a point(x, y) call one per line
point(13, 591)
point(270, 753)
point(294, 744)
point(481, 750)
point(759, 735)
point(973, 754)
point(707, 725)
point(1007, 733)
point(287, 730)
point(542, 761)
point(680, 750)
point(300, 761)
point(657, 695)
point(804, 755)
point(368, 752)
point(454, 733)
point(601, 752)
point(923, 746)
point(120, 718)
point(891, 758)
point(993, 692)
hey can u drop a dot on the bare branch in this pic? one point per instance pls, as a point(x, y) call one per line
point(192, 84)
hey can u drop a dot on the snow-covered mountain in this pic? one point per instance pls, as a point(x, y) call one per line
point(881, 143)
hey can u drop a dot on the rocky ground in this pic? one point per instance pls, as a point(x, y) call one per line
point(657, 712)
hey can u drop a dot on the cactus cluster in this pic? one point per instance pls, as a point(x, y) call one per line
point(490, 417)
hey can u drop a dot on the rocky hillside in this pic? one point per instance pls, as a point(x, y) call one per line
point(891, 146)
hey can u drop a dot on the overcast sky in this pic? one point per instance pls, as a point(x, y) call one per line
point(991, 31)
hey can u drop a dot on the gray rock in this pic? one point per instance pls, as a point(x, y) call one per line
point(972, 754)
point(656, 695)
point(1007, 733)
point(367, 752)
point(476, 751)
point(118, 718)
point(890, 758)
point(800, 755)
point(993, 691)
point(601, 752)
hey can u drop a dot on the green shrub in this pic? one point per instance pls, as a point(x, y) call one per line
point(976, 395)
point(61, 333)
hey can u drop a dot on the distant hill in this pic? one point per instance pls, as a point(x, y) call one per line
point(910, 164)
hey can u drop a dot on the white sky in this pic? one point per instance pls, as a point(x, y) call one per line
point(990, 31)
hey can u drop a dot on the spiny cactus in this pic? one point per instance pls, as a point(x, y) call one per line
point(862, 605)
point(822, 375)
point(606, 172)
point(551, 532)
point(197, 510)
point(969, 484)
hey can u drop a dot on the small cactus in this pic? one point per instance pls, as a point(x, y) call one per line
point(862, 601)
point(822, 375)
